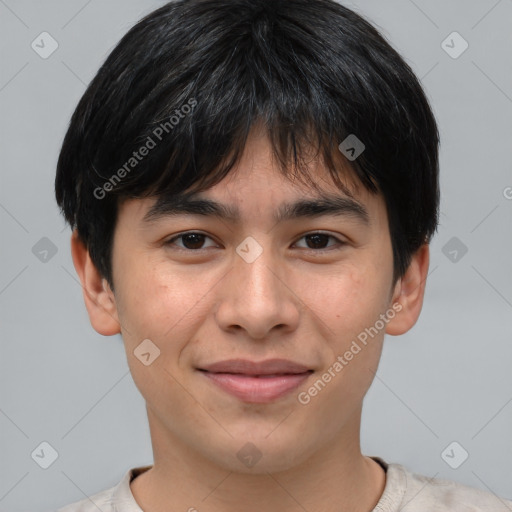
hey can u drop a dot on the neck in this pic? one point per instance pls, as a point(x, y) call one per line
point(335, 478)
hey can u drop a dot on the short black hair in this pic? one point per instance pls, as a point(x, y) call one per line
point(190, 80)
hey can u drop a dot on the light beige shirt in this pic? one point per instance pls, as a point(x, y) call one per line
point(404, 492)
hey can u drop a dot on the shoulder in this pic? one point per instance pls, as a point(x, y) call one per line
point(99, 501)
point(110, 500)
point(421, 493)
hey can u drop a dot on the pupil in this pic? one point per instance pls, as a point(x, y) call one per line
point(196, 244)
point(316, 238)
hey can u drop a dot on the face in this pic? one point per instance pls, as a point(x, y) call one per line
point(315, 290)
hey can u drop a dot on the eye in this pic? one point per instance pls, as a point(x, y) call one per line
point(318, 240)
point(192, 241)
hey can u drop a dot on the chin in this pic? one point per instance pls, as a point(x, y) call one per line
point(259, 455)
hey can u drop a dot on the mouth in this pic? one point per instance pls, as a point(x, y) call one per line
point(253, 382)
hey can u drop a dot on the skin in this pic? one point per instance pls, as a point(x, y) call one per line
point(295, 301)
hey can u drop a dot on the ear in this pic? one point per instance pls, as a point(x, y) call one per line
point(99, 298)
point(409, 292)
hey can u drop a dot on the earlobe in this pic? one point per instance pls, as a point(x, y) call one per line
point(99, 298)
point(409, 293)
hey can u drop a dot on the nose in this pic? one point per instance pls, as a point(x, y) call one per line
point(258, 297)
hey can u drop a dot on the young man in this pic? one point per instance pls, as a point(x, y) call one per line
point(252, 187)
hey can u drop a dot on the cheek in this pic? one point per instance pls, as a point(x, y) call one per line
point(165, 308)
point(160, 303)
point(348, 301)
point(351, 305)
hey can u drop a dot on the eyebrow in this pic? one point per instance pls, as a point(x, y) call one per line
point(170, 206)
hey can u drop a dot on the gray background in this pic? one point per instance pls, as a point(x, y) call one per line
point(448, 379)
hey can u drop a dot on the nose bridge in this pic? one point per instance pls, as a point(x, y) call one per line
point(255, 297)
point(252, 270)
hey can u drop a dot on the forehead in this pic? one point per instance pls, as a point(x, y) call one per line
point(258, 163)
point(257, 186)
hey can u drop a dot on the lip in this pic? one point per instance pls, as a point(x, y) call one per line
point(257, 382)
point(248, 367)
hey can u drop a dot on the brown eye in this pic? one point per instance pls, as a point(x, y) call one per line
point(193, 240)
point(190, 241)
point(319, 241)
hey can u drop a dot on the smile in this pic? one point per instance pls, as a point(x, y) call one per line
point(257, 388)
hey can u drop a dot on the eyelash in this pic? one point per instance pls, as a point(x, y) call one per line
point(340, 243)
